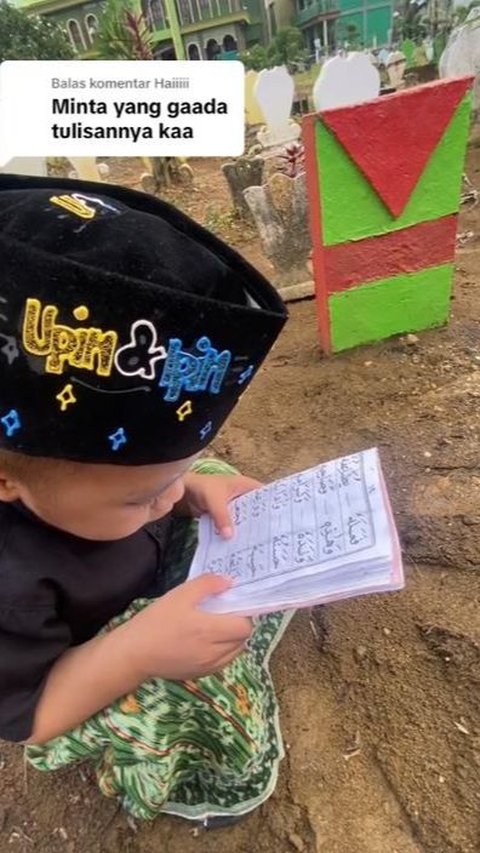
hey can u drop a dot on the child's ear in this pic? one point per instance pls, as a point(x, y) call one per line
point(9, 490)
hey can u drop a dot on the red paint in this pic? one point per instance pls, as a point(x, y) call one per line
point(392, 138)
point(315, 218)
point(426, 245)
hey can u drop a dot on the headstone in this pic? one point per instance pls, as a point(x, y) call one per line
point(253, 113)
point(85, 168)
point(462, 53)
point(163, 172)
point(240, 174)
point(274, 91)
point(36, 166)
point(429, 49)
point(419, 56)
point(396, 65)
point(384, 194)
point(346, 80)
point(279, 209)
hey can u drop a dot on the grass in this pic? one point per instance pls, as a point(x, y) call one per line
point(304, 80)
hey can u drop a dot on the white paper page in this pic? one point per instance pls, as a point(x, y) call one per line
point(307, 523)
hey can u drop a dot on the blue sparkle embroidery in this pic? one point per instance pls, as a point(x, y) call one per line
point(118, 438)
point(245, 375)
point(184, 371)
point(206, 430)
point(11, 422)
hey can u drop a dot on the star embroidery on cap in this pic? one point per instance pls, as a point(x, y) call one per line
point(184, 410)
point(66, 397)
point(11, 422)
point(118, 438)
point(10, 348)
point(206, 430)
point(245, 375)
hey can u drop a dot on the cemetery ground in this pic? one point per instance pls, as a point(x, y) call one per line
point(379, 696)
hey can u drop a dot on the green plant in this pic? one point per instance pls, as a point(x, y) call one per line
point(25, 36)
point(286, 48)
point(217, 221)
point(123, 33)
point(255, 58)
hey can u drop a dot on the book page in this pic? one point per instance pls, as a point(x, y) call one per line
point(328, 516)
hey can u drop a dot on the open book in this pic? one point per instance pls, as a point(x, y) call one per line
point(321, 535)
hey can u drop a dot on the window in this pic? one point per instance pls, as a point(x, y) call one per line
point(213, 49)
point(91, 25)
point(185, 11)
point(157, 15)
point(229, 44)
point(75, 35)
point(204, 9)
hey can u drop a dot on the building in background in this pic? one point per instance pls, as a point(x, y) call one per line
point(334, 23)
point(207, 29)
point(280, 15)
point(79, 20)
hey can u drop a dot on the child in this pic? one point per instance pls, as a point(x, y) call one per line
point(127, 335)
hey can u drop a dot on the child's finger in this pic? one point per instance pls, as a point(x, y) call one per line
point(229, 628)
point(204, 586)
point(228, 658)
point(221, 518)
point(219, 508)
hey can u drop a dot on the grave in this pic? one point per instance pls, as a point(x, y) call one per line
point(278, 201)
point(384, 193)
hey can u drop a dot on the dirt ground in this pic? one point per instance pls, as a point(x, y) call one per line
point(380, 697)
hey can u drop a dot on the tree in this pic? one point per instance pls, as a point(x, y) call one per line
point(255, 58)
point(25, 36)
point(123, 33)
point(286, 48)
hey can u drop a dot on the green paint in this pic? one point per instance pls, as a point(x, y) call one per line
point(392, 306)
point(351, 209)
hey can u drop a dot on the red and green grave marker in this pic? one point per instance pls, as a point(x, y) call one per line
point(384, 180)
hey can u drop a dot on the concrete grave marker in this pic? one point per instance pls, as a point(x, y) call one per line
point(346, 80)
point(253, 113)
point(384, 193)
point(274, 91)
point(396, 65)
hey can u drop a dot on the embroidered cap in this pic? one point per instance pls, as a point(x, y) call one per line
point(127, 331)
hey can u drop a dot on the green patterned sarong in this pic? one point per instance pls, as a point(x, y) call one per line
point(196, 748)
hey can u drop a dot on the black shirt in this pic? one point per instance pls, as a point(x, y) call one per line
point(57, 590)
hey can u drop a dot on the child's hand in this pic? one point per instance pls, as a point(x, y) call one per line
point(172, 638)
point(212, 493)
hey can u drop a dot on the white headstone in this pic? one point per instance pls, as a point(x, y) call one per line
point(396, 65)
point(462, 53)
point(429, 50)
point(344, 81)
point(274, 91)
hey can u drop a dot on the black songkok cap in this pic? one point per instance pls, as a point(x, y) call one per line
point(127, 331)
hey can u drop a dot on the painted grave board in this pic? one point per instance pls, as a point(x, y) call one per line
point(384, 182)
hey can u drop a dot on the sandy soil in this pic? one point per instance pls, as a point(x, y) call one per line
point(379, 696)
